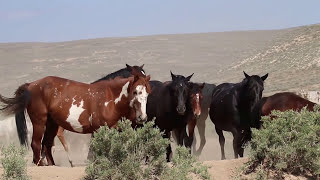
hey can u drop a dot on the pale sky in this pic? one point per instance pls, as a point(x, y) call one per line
point(64, 20)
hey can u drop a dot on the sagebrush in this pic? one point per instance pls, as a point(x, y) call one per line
point(287, 143)
point(14, 163)
point(125, 153)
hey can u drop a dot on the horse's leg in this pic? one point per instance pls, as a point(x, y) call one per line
point(90, 154)
point(169, 150)
point(245, 137)
point(36, 144)
point(50, 134)
point(236, 141)
point(189, 139)
point(221, 142)
point(201, 125)
point(60, 135)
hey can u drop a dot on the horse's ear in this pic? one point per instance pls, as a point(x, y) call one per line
point(148, 78)
point(189, 77)
point(246, 75)
point(141, 66)
point(173, 76)
point(129, 67)
point(202, 85)
point(264, 77)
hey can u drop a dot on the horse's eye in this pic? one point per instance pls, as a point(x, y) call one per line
point(135, 93)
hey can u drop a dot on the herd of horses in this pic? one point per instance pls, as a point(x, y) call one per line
point(178, 106)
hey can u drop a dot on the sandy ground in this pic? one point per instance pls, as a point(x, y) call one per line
point(219, 170)
point(78, 144)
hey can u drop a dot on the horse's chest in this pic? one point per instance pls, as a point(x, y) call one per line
point(74, 115)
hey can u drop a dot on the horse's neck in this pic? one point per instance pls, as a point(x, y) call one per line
point(245, 104)
point(120, 89)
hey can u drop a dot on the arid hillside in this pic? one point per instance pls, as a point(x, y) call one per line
point(290, 56)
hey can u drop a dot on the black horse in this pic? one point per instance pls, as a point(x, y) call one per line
point(167, 102)
point(233, 109)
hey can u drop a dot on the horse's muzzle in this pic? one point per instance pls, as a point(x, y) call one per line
point(139, 120)
point(197, 116)
point(181, 111)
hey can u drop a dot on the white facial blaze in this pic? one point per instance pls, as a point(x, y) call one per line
point(74, 114)
point(124, 92)
point(142, 96)
point(197, 97)
point(143, 72)
point(198, 100)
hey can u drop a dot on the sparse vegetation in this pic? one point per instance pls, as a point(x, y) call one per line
point(138, 154)
point(293, 54)
point(289, 143)
point(13, 162)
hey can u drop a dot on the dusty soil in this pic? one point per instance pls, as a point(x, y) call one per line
point(219, 170)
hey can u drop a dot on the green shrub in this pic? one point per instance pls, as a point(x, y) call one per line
point(288, 143)
point(13, 162)
point(125, 153)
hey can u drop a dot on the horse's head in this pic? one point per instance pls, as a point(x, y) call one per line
point(136, 70)
point(138, 94)
point(180, 90)
point(196, 98)
point(254, 87)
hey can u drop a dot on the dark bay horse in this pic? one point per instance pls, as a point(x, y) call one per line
point(201, 120)
point(167, 102)
point(78, 107)
point(232, 109)
point(284, 101)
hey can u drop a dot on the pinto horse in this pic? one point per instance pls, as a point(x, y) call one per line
point(232, 109)
point(284, 101)
point(193, 112)
point(124, 73)
point(78, 107)
point(167, 102)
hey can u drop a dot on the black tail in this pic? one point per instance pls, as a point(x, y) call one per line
point(17, 105)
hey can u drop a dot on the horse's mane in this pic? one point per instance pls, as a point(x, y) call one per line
point(122, 73)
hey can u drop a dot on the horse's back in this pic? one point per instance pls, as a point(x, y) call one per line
point(285, 101)
point(221, 92)
point(207, 95)
point(223, 109)
point(155, 84)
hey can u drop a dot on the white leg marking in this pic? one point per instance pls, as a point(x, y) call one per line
point(41, 158)
point(124, 92)
point(74, 114)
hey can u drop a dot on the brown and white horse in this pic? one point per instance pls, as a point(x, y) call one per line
point(124, 73)
point(78, 107)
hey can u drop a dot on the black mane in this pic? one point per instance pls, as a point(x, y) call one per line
point(124, 72)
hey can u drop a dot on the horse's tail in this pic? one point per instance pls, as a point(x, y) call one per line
point(17, 105)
